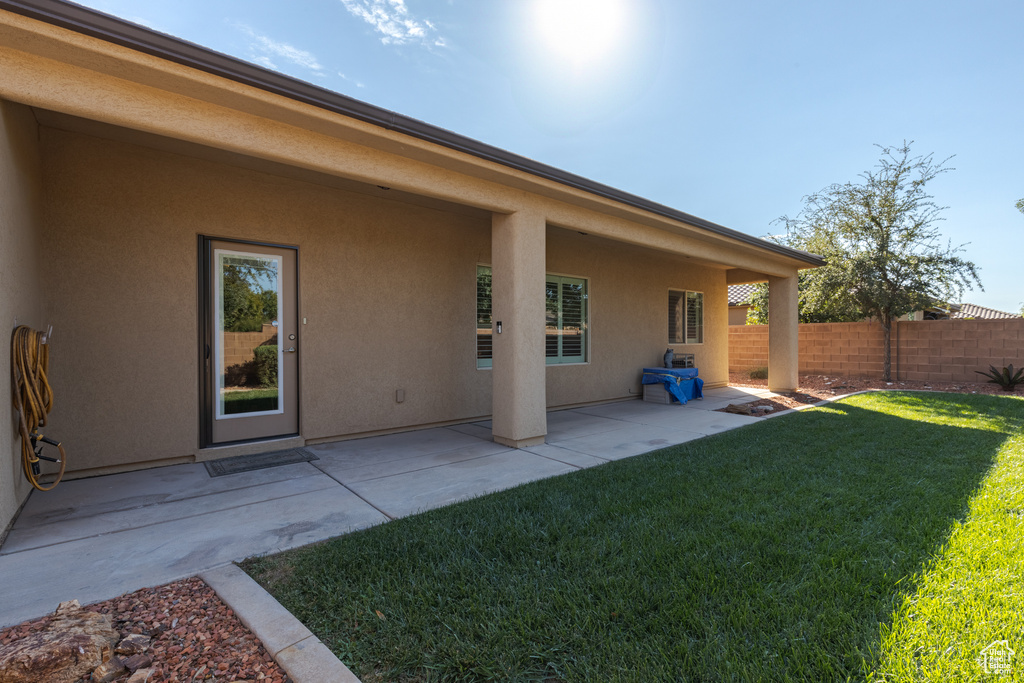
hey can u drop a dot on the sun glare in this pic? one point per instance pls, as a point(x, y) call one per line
point(580, 31)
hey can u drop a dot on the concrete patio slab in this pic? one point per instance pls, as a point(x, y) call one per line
point(702, 422)
point(481, 430)
point(629, 410)
point(94, 539)
point(629, 441)
point(736, 393)
point(564, 455)
point(88, 526)
point(412, 492)
point(99, 568)
point(133, 490)
point(572, 424)
point(713, 404)
point(346, 471)
point(393, 446)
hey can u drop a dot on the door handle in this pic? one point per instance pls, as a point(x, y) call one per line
point(290, 349)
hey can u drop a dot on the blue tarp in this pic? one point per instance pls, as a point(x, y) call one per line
point(682, 383)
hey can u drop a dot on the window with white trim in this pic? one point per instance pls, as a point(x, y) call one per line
point(565, 327)
point(685, 317)
point(565, 314)
point(483, 316)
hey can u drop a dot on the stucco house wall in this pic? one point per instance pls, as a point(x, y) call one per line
point(123, 147)
point(387, 289)
point(20, 277)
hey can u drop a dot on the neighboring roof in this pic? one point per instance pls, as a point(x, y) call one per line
point(739, 295)
point(114, 30)
point(975, 311)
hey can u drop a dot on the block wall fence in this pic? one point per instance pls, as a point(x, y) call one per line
point(238, 346)
point(927, 350)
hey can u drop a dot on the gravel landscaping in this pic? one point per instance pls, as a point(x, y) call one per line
point(195, 636)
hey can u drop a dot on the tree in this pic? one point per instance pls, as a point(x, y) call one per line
point(885, 254)
point(818, 302)
point(1020, 205)
point(247, 304)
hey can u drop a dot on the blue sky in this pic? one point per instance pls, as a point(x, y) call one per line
point(732, 111)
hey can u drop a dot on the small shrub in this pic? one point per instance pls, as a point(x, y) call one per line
point(1006, 378)
point(266, 365)
point(759, 373)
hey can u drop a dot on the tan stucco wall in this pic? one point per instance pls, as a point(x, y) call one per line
point(387, 288)
point(738, 315)
point(628, 292)
point(20, 297)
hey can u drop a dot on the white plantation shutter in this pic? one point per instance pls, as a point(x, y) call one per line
point(551, 342)
point(676, 320)
point(483, 317)
point(685, 317)
point(565, 319)
point(694, 318)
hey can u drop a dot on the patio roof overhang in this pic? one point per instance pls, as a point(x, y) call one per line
point(124, 80)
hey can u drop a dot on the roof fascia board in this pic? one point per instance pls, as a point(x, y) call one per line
point(120, 32)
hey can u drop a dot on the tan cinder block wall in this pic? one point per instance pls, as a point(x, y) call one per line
point(738, 315)
point(20, 278)
point(238, 346)
point(951, 350)
point(925, 350)
point(748, 347)
point(847, 349)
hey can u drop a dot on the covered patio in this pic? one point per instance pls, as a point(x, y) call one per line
point(97, 538)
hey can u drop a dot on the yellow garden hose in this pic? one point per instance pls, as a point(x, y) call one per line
point(33, 399)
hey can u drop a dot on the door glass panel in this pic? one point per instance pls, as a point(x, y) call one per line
point(247, 355)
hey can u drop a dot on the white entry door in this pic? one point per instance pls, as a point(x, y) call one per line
point(252, 349)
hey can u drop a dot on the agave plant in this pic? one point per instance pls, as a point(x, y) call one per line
point(1006, 378)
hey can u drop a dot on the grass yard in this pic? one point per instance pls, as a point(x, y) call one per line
point(880, 538)
point(250, 401)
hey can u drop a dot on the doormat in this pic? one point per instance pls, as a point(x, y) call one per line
point(258, 461)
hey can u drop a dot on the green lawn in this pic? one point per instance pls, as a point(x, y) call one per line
point(879, 538)
point(250, 401)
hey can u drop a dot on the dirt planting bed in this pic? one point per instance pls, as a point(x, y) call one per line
point(815, 388)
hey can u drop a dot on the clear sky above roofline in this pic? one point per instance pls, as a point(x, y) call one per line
point(730, 111)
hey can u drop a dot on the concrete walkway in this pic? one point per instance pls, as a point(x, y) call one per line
point(95, 539)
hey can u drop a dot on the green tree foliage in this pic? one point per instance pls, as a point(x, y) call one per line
point(246, 304)
point(818, 302)
point(1020, 205)
point(886, 257)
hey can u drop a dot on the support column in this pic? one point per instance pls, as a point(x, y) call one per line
point(783, 334)
point(518, 267)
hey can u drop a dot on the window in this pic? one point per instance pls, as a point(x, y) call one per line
point(685, 317)
point(565, 312)
point(565, 328)
point(483, 316)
